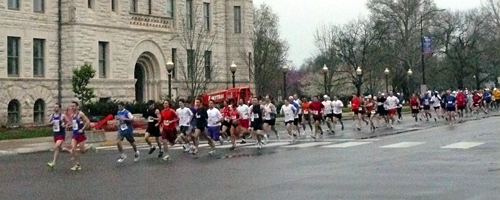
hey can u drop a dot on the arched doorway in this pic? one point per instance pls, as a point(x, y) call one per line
point(139, 76)
point(146, 78)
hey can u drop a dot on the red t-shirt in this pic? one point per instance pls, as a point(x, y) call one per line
point(168, 118)
point(476, 98)
point(461, 99)
point(316, 108)
point(226, 112)
point(369, 107)
point(414, 103)
point(355, 104)
point(235, 116)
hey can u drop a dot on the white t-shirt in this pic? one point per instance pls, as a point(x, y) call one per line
point(289, 112)
point(214, 117)
point(269, 108)
point(337, 106)
point(328, 107)
point(244, 111)
point(184, 115)
point(392, 102)
point(436, 101)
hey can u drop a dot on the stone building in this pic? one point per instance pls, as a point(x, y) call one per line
point(128, 43)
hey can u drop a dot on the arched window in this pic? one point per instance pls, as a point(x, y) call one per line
point(13, 112)
point(39, 112)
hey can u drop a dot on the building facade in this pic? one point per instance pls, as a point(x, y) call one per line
point(128, 43)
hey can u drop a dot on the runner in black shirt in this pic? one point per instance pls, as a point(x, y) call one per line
point(256, 113)
point(151, 115)
point(201, 117)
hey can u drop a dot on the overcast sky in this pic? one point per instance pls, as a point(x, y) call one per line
point(299, 19)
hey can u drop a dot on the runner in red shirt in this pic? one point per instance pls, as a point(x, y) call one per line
point(461, 103)
point(355, 108)
point(316, 107)
point(415, 106)
point(167, 122)
point(226, 115)
point(236, 128)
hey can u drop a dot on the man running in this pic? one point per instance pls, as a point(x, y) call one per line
point(461, 104)
point(289, 111)
point(316, 107)
point(214, 122)
point(125, 130)
point(355, 105)
point(436, 101)
point(152, 114)
point(269, 119)
point(487, 100)
point(297, 119)
point(226, 122)
point(328, 112)
point(256, 113)
point(244, 112)
point(79, 122)
point(306, 115)
point(400, 106)
point(201, 118)
point(426, 101)
point(185, 116)
point(167, 122)
point(414, 106)
point(337, 106)
point(58, 121)
point(392, 103)
point(451, 106)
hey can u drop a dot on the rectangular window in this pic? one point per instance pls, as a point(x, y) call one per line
point(113, 5)
point(190, 64)
point(133, 6)
point(102, 59)
point(38, 57)
point(38, 5)
point(206, 16)
point(237, 19)
point(150, 7)
point(208, 68)
point(174, 60)
point(13, 56)
point(170, 8)
point(189, 13)
point(13, 4)
point(89, 3)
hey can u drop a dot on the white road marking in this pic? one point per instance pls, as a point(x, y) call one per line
point(310, 144)
point(402, 145)
point(346, 144)
point(462, 145)
point(270, 145)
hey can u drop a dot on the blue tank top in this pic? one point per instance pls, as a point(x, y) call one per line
point(124, 126)
point(57, 126)
point(77, 124)
point(193, 120)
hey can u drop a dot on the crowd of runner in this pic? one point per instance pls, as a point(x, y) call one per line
point(256, 119)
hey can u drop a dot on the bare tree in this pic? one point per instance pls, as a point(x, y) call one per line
point(197, 38)
point(270, 51)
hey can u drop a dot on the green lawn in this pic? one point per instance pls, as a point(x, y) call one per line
point(20, 133)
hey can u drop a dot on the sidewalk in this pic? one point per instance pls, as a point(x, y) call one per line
point(33, 145)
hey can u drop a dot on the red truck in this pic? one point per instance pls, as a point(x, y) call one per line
point(232, 93)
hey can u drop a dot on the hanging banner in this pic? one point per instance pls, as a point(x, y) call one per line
point(427, 45)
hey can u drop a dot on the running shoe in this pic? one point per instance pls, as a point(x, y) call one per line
point(266, 139)
point(122, 157)
point(160, 154)
point(312, 136)
point(136, 156)
point(243, 141)
point(195, 152)
point(152, 149)
point(260, 145)
point(211, 152)
point(76, 168)
point(51, 165)
point(167, 157)
point(221, 140)
point(187, 148)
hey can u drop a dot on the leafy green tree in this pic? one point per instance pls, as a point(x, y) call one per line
point(80, 80)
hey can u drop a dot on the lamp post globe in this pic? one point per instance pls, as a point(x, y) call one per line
point(386, 72)
point(410, 72)
point(359, 71)
point(325, 69)
point(233, 70)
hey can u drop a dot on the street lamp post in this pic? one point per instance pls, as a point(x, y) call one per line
point(423, 87)
point(359, 72)
point(386, 72)
point(233, 70)
point(285, 71)
point(170, 68)
point(325, 73)
point(410, 86)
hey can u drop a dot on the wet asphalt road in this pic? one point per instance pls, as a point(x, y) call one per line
point(445, 162)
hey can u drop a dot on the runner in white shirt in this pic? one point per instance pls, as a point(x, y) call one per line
point(328, 112)
point(269, 119)
point(244, 111)
point(185, 115)
point(289, 112)
point(436, 100)
point(392, 104)
point(337, 106)
point(214, 122)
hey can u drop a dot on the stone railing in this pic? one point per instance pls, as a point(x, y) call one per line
point(149, 21)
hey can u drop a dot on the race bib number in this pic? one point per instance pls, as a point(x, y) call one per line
point(198, 116)
point(414, 107)
point(450, 102)
point(306, 112)
point(227, 119)
point(123, 127)
point(360, 109)
point(75, 125)
point(166, 123)
point(234, 117)
point(56, 126)
point(373, 112)
point(255, 116)
point(151, 119)
point(314, 112)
